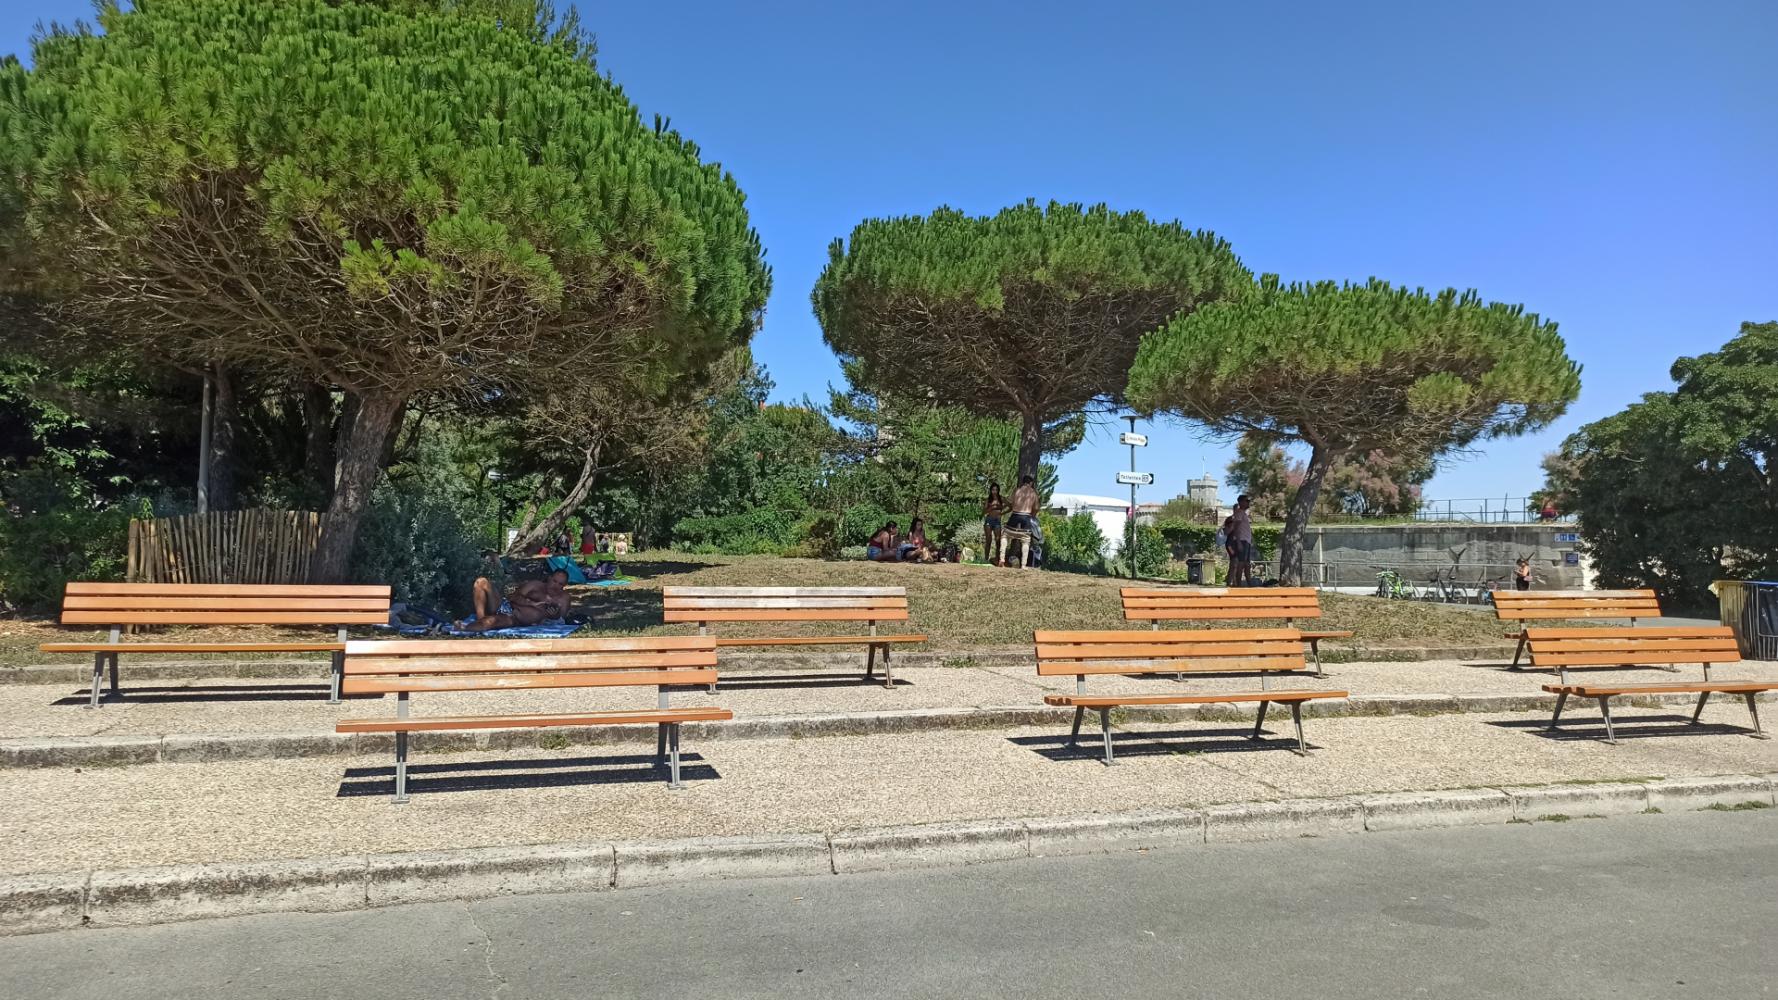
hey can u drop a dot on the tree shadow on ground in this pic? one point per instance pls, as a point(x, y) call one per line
point(205, 692)
point(1577, 728)
point(617, 609)
point(1164, 743)
point(504, 775)
point(647, 569)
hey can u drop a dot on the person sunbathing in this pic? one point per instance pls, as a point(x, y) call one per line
point(531, 602)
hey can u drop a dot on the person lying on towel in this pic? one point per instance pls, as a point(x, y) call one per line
point(531, 602)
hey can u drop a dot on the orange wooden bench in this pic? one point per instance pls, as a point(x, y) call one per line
point(1563, 648)
point(707, 605)
point(120, 604)
point(1525, 606)
point(1203, 604)
point(1261, 651)
point(403, 667)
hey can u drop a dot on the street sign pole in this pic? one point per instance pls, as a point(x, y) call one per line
point(1130, 529)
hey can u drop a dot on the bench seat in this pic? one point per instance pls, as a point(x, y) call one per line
point(1114, 701)
point(1203, 604)
point(1206, 651)
point(1524, 606)
point(705, 606)
point(821, 640)
point(1565, 649)
point(653, 716)
point(193, 647)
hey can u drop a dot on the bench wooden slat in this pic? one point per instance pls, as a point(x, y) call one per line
point(821, 640)
point(192, 647)
point(1535, 605)
point(811, 615)
point(1197, 635)
point(1641, 632)
point(1113, 701)
point(1256, 593)
point(611, 718)
point(1678, 687)
point(1205, 665)
point(1085, 651)
point(482, 647)
point(1643, 658)
point(1215, 614)
point(367, 665)
point(182, 602)
point(231, 589)
point(669, 592)
point(516, 680)
point(225, 617)
point(781, 603)
point(1676, 644)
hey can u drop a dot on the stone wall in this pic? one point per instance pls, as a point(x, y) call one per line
point(1350, 555)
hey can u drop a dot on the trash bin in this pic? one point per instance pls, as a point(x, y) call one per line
point(1750, 607)
point(1194, 570)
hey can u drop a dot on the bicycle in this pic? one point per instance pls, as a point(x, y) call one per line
point(1391, 586)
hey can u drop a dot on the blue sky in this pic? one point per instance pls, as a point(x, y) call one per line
point(1613, 166)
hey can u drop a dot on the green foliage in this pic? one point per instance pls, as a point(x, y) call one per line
point(1681, 488)
point(1187, 538)
point(51, 534)
point(762, 530)
point(418, 538)
point(1150, 554)
point(1368, 484)
point(1072, 543)
point(1029, 314)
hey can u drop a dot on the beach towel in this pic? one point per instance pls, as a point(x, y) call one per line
point(544, 630)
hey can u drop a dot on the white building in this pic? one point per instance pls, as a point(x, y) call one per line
point(1109, 513)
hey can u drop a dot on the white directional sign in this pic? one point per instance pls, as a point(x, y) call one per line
point(1139, 440)
point(1135, 478)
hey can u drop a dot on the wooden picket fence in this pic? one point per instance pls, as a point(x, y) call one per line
point(229, 546)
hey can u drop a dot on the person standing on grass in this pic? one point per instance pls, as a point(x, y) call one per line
point(1024, 514)
point(1239, 531)
point(992, 511)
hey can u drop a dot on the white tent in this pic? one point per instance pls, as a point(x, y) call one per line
point(1110, 513)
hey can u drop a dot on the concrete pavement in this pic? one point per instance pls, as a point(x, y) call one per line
point(1676, 905)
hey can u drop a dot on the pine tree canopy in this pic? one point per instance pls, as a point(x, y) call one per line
point(390, 200)
point(1359, 367)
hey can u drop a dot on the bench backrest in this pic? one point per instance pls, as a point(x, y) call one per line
point(1197, 650)
point(224, 604)
point(1215, 603)
point(395, 665)
point(1604, 647)
point(1544, 605)
point(784, 604)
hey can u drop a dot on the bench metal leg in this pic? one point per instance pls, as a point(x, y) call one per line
point(1561, 699)
point(1074, 736)
point(1315, 651)
point(1518, 652)
point(660, 744)
point(333, 684)
point(1605, 710)
point(98, 679)
point(400, 768)
point(1259, 723)
point(1296, 716)
point(112, 658)
point(1697, 713)
point(1758, 733)
point(888, 671)
point(673, 757)
point(1105, 729)
point(870, 662)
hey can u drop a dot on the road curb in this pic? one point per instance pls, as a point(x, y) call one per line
point(113, 751)
point(136, 896)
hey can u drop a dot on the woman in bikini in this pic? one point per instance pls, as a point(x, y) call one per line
point(991, 513)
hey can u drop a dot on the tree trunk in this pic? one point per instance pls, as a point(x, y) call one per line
point(1030, 445)
point(318, 450)
point(545, 530)
point(1296, 522)
point(225, 420)
point(361, 452)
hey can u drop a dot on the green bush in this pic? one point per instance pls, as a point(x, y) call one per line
point(1152, 552)
point(761, 531)
point(40, 553)
point(1072, 543)
point(419, 541)
point(1186, 538)
point(860, 521)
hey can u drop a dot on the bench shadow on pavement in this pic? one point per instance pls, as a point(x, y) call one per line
point(775, 681)
point(205, 692)
point(1178, 743)
point(503, 775)
point(1583, 728)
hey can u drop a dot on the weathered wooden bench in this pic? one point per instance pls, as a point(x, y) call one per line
point(707, 605)
point(121, 604)
point(403, 667)
point(1563, 648)
point(1525, 606)
point(1202, 604)
point(1261, 651)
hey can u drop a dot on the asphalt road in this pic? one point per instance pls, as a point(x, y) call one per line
point(1656, 906)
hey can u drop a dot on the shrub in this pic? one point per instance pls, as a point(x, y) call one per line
point(1073, 543)
point(1151, 551)
point(418, 540)
point(761, 531)
point(860, 521)
point(40, 553)
point(1186, 538)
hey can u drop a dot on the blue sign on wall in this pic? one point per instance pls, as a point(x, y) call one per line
point(1568, 537)
point(1571, 558)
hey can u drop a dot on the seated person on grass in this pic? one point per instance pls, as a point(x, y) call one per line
point(915, 547)
point(882, 547)
point(531, 602)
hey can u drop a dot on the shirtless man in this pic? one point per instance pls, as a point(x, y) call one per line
point(531, 602)
point(1024, 511)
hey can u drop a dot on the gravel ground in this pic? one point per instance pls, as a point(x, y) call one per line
point(260, 809)
point(237, 705)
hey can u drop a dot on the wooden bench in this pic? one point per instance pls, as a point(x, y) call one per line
point(706, 605)
point(1525, 606)
point(121, 604)
point(1200, 604)
point(1563, 648)
point(403, 667)
point(1261, 651)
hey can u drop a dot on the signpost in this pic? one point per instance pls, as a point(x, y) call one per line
point(1133, 479)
